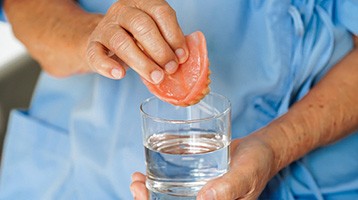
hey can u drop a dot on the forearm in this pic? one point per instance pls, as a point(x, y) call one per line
point(48, 27)
point(326, 114)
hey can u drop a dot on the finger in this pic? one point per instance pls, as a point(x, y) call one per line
point(227, 187)
point(137, 176)
point(147, 34)
point(166, 20)
point(118, 60)
point(100, 62)
point(139, 191)
point(121, 43)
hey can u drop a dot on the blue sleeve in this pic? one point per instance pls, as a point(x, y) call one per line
point(347, 14)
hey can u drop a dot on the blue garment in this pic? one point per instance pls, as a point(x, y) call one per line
point(81, 137)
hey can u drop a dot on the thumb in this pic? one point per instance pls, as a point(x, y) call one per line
point(227, 187)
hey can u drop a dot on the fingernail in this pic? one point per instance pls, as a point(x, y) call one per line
point(116, 73)
point(157, 76)
point(208, 195)
point(195, 38)
point(180, 53)
point(171, 67)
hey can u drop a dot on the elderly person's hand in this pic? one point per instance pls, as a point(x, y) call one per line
point(66, 40)
point(142, 34)
point(252, 166)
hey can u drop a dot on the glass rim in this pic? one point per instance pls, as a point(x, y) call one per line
point(182, 121)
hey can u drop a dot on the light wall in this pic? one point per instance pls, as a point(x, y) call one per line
point(10, 47)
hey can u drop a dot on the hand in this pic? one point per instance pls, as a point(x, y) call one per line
point(250, 170)
point(144, 35)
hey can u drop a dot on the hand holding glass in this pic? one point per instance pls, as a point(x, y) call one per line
point(185, 146)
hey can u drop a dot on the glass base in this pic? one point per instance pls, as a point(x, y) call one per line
point(174, 190)
point(162, 196)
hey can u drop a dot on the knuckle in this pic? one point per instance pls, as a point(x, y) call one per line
point(91, 53)
point(117, 7)
point(229, 189)
point(122, 10)
point(141, 24)
point(163, 10)
point(94, 58)
point(175, 38)
point(162, 55)
point(120, 41)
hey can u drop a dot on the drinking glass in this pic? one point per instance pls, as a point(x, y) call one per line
point(185, 147)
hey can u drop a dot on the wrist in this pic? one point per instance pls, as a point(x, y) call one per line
point(55, 33)
point(252, 148)
point(67, 39)
point(286, 140)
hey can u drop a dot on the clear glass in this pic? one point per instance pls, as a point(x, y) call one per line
point(185, 146)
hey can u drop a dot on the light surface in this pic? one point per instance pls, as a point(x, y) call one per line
point(10, 47)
